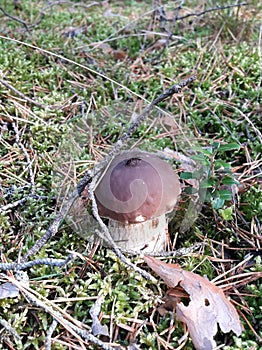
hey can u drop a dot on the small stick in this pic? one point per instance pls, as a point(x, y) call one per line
point(213, 9)
point(173, 253)
point(28, 160)
point(139, 120)
point(9, 328)
point(28, 99)
point(72, 328)
point(21, 201)
point(15, 19)
point(26, 265)
point(17, 92)
point(48, 341)
point(53, 228)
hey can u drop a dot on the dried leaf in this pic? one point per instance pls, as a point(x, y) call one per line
point(171, 299)
point(8, 290)
point(106, 48)
point(119, 54)
point(208, 305)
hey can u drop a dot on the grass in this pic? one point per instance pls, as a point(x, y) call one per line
point(58, 61)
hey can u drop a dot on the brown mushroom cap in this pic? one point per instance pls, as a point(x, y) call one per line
point(137, 186)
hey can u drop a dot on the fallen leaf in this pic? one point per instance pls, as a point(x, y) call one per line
point(207, 308)
point(8, 290)
point(119, 54)
point(106, 48)
point(171, 299)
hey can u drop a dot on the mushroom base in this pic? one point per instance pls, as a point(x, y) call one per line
point(148, 236)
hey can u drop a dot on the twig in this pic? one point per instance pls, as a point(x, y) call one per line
point(139, 120)
point(45, 261)
point(17, 92)
point(213, 9)
point(15, 19)
point(179, 252)
point(48, 342)
point(28, 160)
point(21, 201)
point(9, 328)
point(28, 99)
point(53, 228)
point(14, 204)
point(72, 328)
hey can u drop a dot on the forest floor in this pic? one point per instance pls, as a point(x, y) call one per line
point(73, 77)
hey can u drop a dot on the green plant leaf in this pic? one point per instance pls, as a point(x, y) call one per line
point(191, 190)
point(230, 181)
point(216, 145)
point(226, 213)
point(206, 151)
point(229, 147)
point(186, 175)
point(217, 203)
point(208, 183)
point(202, 159)
point(225, 195)
point(221, 164)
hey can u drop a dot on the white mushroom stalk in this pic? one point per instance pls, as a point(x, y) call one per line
point(135, 193)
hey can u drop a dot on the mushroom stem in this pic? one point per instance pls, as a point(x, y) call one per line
point(147, 236)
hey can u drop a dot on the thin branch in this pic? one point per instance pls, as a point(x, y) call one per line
point(14, 204)
point(213, 9)
point(15, 19)
point(28, 99)
point(48, 342)
point(21, 201)
point(53, 228)
point(45, 261)
point(70, 326)
point(139, 120)
point(28, 160)
point(18, 93)
point(9, 328)
point(179, 252)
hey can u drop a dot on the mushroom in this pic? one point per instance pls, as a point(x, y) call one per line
point(135, 193)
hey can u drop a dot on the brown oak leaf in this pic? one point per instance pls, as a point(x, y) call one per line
point(207, 308)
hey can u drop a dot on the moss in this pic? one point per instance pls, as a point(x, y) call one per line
point(84, 114)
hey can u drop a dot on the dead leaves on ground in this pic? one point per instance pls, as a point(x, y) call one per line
point(208, 306)
point(108, 50)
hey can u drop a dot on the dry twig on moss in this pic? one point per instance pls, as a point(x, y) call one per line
point(29, 168)
point(19, 20)
point(198, 14)
point(45, 261)
point(24, 97)
point(20, 94)
point(59, 315)
point(48, 339)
